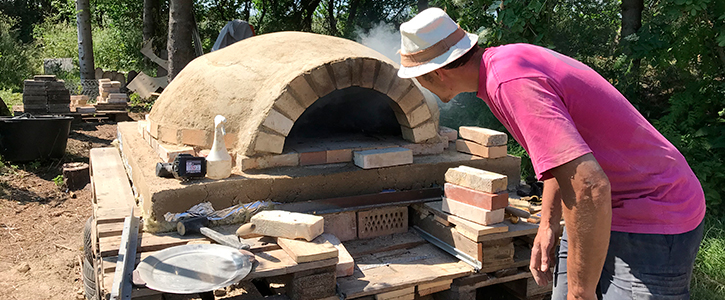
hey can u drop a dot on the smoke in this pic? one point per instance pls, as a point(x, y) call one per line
point(383, 37)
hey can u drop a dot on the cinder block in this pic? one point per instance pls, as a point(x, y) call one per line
point(382, 221)
point(169, 152)
point(196, 137)
point(483, 136)
point(483, 200)
point(345, 263)
point(312, 287)
point(313, 158)
point(303, 91)
point(268, 161)
point(411, 100)
point(322, 82)
point(480, 150)
point(385, 78)
point(419, 134)
point(472, 213)
point(342, 225)
point(343, 74)
point(380, 158)
point(168, 135)
point(399, 88)
point(367, 79)
point(278, 122)
point(449, 133)
point(339, 156)
point(477, 179)
point(267, 142)
point(288, 105)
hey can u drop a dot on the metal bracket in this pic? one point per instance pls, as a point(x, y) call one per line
point(477, 265)
point(121, 288)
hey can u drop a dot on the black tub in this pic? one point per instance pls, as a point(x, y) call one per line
point(27, 139)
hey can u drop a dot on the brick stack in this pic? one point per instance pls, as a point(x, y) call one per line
point(482, 142)
point(45, 94)
point(475, 195)
point(110, 96)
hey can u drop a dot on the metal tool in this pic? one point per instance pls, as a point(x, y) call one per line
point(196, 268)
point(184, 167)
point(199, 225)
point(477, 265)
point(121, 288)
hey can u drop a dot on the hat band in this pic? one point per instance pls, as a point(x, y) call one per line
point(423, 56)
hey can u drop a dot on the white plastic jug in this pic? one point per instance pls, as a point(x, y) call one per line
point(219, 162)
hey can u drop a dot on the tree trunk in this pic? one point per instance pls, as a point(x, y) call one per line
point(85, 41)
point(150, 14)
point(422, 5)
point(181, 23)
point(352, 11)
point(331, 17)
point(309, 10)
point(631, 22)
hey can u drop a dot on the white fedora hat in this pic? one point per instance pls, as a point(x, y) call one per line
point(431, 40)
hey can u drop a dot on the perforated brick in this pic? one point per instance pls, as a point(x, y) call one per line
point(382, 221)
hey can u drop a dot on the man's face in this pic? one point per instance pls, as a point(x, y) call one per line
point(433, 83)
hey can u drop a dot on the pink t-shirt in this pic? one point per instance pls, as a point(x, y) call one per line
point(559, 109)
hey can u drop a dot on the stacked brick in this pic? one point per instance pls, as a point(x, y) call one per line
point(482, 142)
point(110, 96)
point(45, 94)
point(475, 195)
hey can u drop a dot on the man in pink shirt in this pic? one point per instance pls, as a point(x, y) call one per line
point(632, 205)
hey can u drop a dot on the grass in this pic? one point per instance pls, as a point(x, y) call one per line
point(11, 98)
point(708, 280)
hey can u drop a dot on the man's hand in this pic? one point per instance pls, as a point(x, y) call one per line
point(542, 254)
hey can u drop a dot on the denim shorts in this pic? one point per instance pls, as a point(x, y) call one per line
point(640, 266)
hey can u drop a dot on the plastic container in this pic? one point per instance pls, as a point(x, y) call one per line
point(33, 138)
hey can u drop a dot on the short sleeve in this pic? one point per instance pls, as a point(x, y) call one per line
point(538, 118)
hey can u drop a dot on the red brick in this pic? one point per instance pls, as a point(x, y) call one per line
point(483, 200)
point(313, 158)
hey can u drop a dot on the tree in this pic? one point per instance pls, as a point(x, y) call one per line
point(85, 41)
point(181, 22)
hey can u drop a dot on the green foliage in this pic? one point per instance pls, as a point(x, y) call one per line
point(11, 98)
point(17, 59)
point(59, 181)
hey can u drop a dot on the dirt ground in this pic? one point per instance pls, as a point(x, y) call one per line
point(42, 224)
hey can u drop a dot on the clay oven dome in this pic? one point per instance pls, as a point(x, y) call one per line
point(263, 84)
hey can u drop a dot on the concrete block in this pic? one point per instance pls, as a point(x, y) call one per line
point(399, 88)
point(411, 100)
point(322, 83)
point(342, 225)
point(473, 213)
point(168, 135)
point(483, 200)
point(385, 78)
point(382, 221)
point(419, 134)
point(339, 156)
point(416, 117)
point(288, 105)
point(343, 74)
point(268, 161)
point(278, 122)
point(470, 147)
point(367, 80)
point(483, 136)
point(267, 142)
point(312, 287)
point(449, 133)
point(196, 137)
point(288, 225)
point(169, 152)
point(477, 179)
point(303, 91)
point(345, 263)
point(313, 158)
point(380, 158)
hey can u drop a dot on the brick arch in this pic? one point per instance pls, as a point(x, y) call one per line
point(408, 103)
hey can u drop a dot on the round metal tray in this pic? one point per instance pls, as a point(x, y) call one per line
point(189, 269)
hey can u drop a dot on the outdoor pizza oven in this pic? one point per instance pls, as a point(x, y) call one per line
point(297, 107)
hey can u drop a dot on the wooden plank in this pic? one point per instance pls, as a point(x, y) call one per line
point(404, 240)
point(113, 229)
point(277, 262)
point(435, 287)
point(467, 228)
point(515, 230)
point(303, 251)
point(112, 190)
point(479, 280)
point(398, 269)
point(449, 235)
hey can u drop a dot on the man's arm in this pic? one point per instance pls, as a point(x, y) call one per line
point(542, 253)
point(587, 199)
